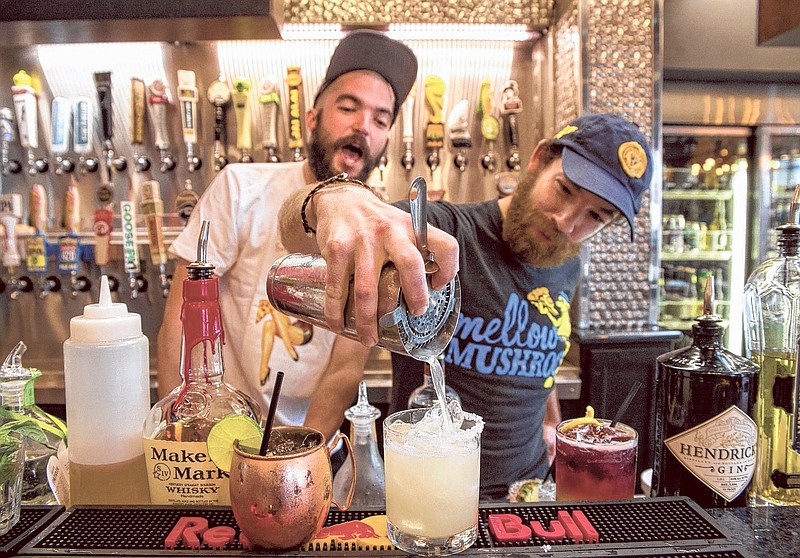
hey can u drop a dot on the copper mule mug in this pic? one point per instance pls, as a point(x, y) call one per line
point(281, 500)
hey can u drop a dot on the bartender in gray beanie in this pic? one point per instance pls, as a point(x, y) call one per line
point(519, 266)
point(368, 78)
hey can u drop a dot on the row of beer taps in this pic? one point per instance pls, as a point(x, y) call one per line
point(154, 100)
point(73, 121)
point(72, 255)
point(458, 130)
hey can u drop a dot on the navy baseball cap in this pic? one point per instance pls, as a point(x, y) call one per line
point(610, 157)
point(365, 49)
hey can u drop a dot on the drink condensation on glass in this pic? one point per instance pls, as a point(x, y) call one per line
point(432, 481)
point(595, 462)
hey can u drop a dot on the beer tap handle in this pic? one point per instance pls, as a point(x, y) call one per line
point(69, 248)
point(490, 125)
point(153, 213)
point(295, 82)
point(158, 102)
point(407, 159)
point(138, 95)
point(434, 131)
point(270, 100)
point(513, 161)
point(36, 244)
point(130, 246)
point(72, 210)
point(82, 133)
point(188, 96)
point(102, 81)
point(458, 127)
point(241, 109)
point(185, 201)
point(103, 225)
point(219, 95)
point(9, 165)
point(10, 214)
point(59, 142)
point(38, 208)
point(511, 107)
point(26, 107)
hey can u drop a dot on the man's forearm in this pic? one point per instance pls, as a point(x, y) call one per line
point(168, 342)
point(293, 236)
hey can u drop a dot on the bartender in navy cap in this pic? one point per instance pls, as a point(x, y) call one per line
point(368, 77)
point(518, 262)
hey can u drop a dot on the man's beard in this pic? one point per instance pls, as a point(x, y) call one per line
point(320, 155)
point(521, 217)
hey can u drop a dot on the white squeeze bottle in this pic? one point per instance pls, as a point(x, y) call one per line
point(106, 378)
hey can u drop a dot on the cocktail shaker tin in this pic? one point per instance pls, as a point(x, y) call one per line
point(296, 287)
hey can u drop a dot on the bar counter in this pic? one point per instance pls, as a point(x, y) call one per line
point(653, 527)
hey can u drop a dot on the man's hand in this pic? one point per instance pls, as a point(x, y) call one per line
point(358, 234)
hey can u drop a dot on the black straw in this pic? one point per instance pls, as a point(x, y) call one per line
point(624, 407)
point(273, 404)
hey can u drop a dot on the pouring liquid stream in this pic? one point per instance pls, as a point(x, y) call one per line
point(437, 376)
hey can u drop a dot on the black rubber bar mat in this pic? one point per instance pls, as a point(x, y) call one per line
point(31, 520)
point(652, 527)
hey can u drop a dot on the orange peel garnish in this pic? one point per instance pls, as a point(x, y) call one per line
point(588, 419)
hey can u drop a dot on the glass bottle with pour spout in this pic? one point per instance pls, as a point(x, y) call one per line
point(705, 438)
point(369, 491)
point(772, 310)
point(17, 400)
point(175, 432)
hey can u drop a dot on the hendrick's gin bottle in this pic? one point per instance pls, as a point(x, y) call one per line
point(705, 440)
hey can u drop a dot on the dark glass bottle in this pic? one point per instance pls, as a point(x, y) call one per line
point(705, 438)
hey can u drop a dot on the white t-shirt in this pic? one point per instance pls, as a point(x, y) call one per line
point(241, 205)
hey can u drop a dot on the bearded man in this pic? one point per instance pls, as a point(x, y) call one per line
point(519, 268)
point(368, 78)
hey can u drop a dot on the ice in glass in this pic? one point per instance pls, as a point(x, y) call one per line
point(595, 461)
point(432, 480)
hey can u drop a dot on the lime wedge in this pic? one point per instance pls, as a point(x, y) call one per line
point(225, 432)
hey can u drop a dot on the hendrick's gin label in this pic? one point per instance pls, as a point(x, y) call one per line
point(705, 438)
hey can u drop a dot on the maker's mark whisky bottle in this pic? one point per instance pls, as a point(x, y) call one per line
point(175, 432)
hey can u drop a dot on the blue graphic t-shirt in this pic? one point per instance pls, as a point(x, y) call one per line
point(512, 334)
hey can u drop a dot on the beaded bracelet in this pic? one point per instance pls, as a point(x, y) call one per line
point(337, 179)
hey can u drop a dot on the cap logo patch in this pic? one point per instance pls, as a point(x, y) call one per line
point(633, 159)
point(564, 131)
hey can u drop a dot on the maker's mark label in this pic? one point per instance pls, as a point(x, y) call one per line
point(182, 473)
point(720, 452)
